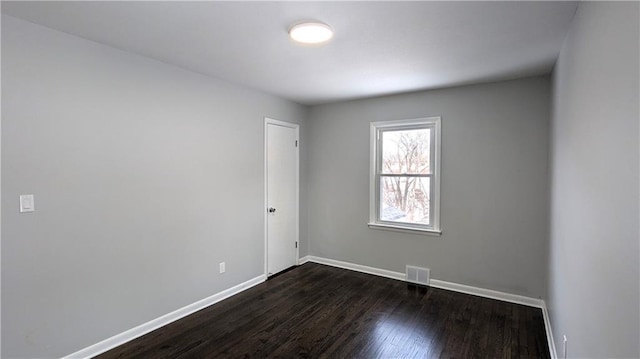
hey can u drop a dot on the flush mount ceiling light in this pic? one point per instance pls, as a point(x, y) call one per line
point(311, 32)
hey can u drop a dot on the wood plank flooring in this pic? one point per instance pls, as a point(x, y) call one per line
point(317, 311)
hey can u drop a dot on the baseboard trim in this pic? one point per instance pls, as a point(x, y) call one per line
point(303, 260)
point(461, 288)
point(355, 267)
point(547, 326)
point(154, 324)
point(487, 293)
point(133, 333)
point(455, 287)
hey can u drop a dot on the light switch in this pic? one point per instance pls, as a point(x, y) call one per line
point(26, 203)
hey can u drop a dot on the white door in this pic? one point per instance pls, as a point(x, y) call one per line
point(281, 142)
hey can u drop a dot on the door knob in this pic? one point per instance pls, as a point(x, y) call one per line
point(272, 210)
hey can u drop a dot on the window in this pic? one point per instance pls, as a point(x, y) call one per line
point(405, 175)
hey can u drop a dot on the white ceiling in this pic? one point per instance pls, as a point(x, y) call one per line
point(378, 48)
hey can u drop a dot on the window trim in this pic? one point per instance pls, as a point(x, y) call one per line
point(374, 172)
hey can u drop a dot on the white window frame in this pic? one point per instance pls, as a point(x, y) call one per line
point(375, 173)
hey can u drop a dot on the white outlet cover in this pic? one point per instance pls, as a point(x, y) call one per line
point(27, 203)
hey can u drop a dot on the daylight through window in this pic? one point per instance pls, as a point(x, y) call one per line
point(405, 174)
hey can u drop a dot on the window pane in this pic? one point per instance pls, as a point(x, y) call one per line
point(405, 199)
point(406, 151)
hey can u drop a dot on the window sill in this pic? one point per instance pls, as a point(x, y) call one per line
point(405, 229)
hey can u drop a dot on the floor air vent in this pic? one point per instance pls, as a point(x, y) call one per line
point(418, 275)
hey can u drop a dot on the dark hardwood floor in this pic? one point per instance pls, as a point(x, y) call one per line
point(317, 311)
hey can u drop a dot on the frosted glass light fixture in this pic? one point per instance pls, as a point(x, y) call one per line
point(311, 32)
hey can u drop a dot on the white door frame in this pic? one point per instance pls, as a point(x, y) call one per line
point(270, 121)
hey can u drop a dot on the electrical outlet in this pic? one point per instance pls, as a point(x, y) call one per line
point(222, 267)
point(26, 203)
point(564, 346)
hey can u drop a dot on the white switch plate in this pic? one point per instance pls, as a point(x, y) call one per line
point(26, 203)
point(222, 267)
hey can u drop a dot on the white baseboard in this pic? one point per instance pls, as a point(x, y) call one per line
point(461, 288)
point(154, 324)
point(487, 293)
point(547, 326)
point(355, 267)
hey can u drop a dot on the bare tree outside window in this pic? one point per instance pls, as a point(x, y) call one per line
point(405, 181)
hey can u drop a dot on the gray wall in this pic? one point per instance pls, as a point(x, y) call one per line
point(494, 185)
point(593, 282)
point(145, 177)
